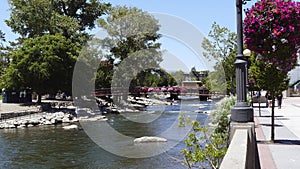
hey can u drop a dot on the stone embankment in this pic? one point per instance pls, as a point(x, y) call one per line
point(31, 117)
point(131, 105)
point(44, 118)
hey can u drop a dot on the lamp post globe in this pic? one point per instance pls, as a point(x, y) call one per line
point(247, 53)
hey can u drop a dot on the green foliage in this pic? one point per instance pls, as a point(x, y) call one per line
point(153, 78)
point(221, 43)
point(39, 17)
point(2, 37)
point(3, 54)
point(104, 75)
point(178, 76)
point(219, 117)
point(221, 46)
point(208, 143)
point(216, 80)
point(44, 64)
point(268, 77)
point(130, 30)
point(271, 29)
point(52, 33)
point(131, 48)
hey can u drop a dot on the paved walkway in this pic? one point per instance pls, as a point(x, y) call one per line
point(285, 152)
point(14, 107)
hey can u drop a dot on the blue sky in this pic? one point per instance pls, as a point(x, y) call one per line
point(198, 13)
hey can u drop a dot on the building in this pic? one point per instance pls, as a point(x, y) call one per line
point(294, 84)
point(191, 84)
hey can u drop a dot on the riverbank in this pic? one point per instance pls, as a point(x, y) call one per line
point(52, 112)
point(133, 104)
point(15, 115)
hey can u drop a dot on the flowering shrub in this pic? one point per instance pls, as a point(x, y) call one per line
point(272, 28)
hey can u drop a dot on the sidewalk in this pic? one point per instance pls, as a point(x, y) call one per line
point(15, 107)
point(285, 152)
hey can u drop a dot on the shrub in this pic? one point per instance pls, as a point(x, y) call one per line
point(208, 143)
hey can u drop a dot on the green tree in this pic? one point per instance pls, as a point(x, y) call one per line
point(35, 20)
point(216, 80)
point(153, 78)
point(178, 76)
point(104, 75)
point(208, 143)
point(3, 54)
point(131, 43)
point(221, 46)
point(38, 17)
point(271, 79)
point(130, 30)
point(44, 64)
point(271, 29)
point(2, 37)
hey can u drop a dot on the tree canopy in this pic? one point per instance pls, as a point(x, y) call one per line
point(52, 33)
point(38, 17)
point(3, 58)
point(131, 43)
point(130, 30)
point(178, 76)
point(44, 64)
point(221, 46)
point(272, 30)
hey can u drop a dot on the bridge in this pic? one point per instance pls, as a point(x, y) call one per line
point(174, 92)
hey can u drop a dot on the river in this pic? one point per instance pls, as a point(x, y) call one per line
point(53, 147)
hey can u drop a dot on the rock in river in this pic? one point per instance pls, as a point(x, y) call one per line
point(73, 126)
point(147, 139)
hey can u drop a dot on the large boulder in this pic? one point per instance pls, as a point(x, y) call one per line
point(148, 139)
point(73, 126)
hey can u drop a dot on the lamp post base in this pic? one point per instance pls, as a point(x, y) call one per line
point(242, 114)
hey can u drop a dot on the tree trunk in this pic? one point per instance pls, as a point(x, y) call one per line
point(39, 99)
point(273, 118)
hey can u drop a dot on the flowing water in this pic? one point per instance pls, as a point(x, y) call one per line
point(54, 147)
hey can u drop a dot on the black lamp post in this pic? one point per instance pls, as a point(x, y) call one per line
point(241, 112)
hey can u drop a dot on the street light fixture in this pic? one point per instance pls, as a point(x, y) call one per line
point(247, 53)
point(241, 112)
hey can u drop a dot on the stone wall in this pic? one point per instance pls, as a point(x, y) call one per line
point(242, 152)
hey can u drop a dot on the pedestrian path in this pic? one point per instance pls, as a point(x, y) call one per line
point(284, 153)
point(15, 107)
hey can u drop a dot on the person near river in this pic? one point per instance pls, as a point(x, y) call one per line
point(279, 100)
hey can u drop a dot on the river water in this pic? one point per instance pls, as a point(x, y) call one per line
point(55, 147)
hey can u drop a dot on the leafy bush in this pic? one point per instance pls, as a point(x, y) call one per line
point(208, 143)
point(219, 117)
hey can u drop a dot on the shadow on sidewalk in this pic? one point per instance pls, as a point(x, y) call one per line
point(287, 142)
point(270, 116)
point(281, 142)
point(283, 118)
point(269, 125)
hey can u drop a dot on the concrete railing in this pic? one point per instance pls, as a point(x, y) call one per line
point(242, 151)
